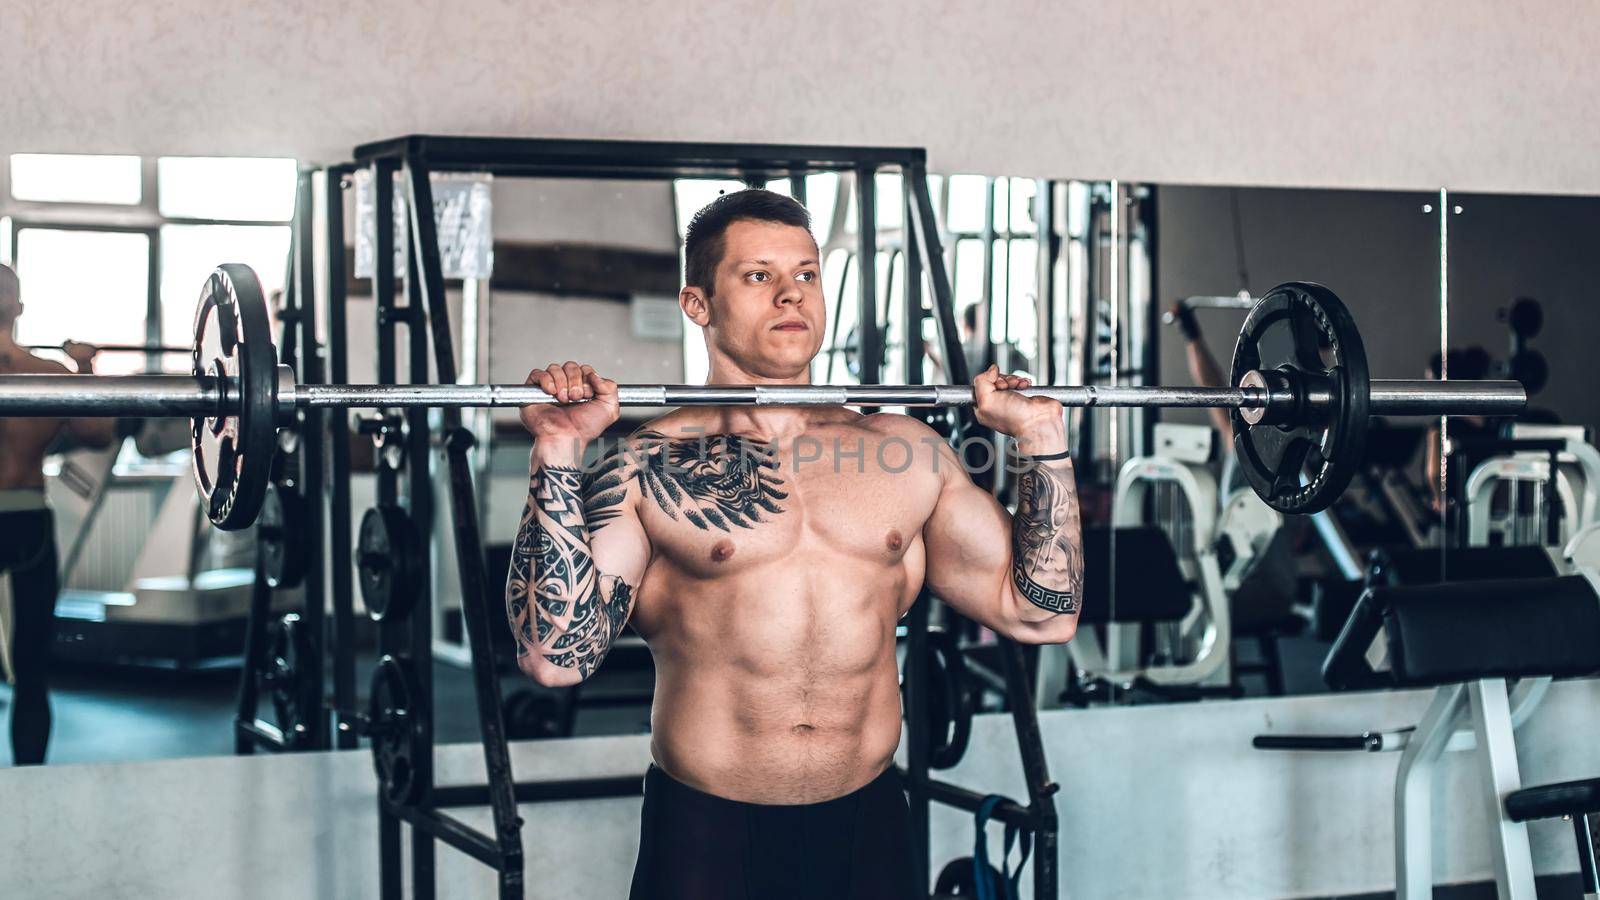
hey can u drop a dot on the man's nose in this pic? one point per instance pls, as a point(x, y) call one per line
point(789, 295)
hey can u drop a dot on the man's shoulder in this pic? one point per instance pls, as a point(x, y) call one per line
point(678, 424)
point(900, 425)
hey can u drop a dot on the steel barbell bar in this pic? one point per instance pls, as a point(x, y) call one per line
point(1239, 301)
point(189, 396)
point(117, 348)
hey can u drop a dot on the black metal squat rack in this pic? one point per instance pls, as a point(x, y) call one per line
point(283, 657)
point(398, 716)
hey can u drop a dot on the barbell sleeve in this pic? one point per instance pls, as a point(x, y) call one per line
point(1424, 397)
point(134, 396)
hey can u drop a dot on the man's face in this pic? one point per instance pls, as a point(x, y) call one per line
point(767, 312)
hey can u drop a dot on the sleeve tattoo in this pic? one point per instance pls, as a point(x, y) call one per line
point(1046, 556)
point(559, 604)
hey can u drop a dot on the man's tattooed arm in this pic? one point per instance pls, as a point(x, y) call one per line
point(1046, 539)
point(564, 611)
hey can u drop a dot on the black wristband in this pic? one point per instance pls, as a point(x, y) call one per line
point(1187, 323)
point(1045, 457)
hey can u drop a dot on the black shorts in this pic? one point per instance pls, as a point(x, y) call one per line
point(697, 846)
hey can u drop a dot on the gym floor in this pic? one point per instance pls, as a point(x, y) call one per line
point(105, 714)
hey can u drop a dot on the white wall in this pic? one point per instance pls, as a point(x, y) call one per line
point(1156, 801)
point(1473, 94)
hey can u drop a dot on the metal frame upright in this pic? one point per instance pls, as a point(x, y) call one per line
point(415, 158)
point(301, 476)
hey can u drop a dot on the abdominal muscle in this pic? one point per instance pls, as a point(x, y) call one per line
point(777, 684)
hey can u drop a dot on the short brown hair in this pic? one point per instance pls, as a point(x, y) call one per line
point(705, 239)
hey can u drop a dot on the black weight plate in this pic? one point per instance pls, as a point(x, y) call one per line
point(388, 561)
point(959, 878)
point(233, 450)
point(281, 677)
point(948, 700)
point(1530, 368)
point(395, 720)
point(531, 715)
point(280, 548)
point(1305, 332)
point(1526, 317)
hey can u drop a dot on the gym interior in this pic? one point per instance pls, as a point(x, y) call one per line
point(1308, 280)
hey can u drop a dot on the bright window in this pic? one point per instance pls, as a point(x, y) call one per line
point(84, 286)
point(822, 196)
point(967, 203)
point(202, 187)
point(693, 194)
point(1024, 321)
point(1022, 191)
point(68, 178)
point(969, 272)
point(891, 201)
point(189, 253)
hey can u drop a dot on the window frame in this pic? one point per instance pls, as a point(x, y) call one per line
point(142, 218)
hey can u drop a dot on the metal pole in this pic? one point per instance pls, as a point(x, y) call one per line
point(912, 312)
point(388, 480)
point(508, 861)
point(313, 456)
point(869, 344)
point(1049, 244)
point(424, 283)
point(917, 738)
point(344, 683)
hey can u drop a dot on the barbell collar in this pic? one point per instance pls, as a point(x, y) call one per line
point(288, 394)
point(1281, 403)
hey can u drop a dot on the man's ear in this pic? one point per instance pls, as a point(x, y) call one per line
point(694, 304)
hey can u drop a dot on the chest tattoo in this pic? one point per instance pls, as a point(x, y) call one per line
point(719, 481)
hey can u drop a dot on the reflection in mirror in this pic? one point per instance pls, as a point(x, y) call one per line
point(1213, 594)
point(1520, 269)
point(114, 579)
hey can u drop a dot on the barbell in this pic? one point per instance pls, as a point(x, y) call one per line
point(1225, 301)
point(1300, 403)
point(116, 348)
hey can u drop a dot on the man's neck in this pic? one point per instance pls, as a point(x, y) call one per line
point(766, 422)
point(723, 372)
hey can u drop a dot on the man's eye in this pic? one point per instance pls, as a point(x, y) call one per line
point(757, 276)
point(807, 276)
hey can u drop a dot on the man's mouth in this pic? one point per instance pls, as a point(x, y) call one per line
point(791, 326)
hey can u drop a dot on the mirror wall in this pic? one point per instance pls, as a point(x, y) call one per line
point(1213, 594)
point(1521, 279)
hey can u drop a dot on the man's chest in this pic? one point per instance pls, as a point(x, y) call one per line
point(734, 503)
